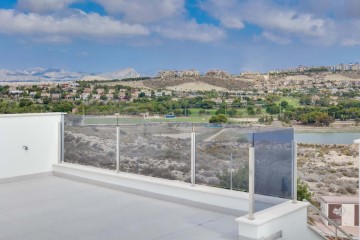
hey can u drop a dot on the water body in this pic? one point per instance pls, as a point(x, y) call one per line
point(327, 138)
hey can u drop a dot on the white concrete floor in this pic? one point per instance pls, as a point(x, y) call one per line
point(56, 208)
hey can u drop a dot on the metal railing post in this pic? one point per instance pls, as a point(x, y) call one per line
point(193, 157)
point(59, 143)
point(337, 227)
point(294, 153)
point(62, 139)
point(336, 234)
point(231, 172)
point(117, 148)
point(251, 182)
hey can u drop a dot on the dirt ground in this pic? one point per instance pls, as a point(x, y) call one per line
point(329, 169)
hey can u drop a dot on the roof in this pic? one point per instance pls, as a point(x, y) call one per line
point(340, 199)
point(56, 208)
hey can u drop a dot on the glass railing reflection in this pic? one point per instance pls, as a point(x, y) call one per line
point(163, 150)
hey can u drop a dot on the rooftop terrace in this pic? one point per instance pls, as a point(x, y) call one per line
point(102, 183)
point(50, 207)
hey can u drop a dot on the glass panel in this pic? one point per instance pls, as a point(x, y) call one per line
point(157, 150)
point(222, 156)
point(274, 162)
point(89, 145)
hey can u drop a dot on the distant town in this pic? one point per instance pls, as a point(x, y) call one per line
point(303, 95)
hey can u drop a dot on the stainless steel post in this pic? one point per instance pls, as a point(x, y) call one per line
point(294, 148)
point(117, 149)
point(251, 182)
point(193, 157)
point(62, 139)
point(59, 143)
point(231, 172)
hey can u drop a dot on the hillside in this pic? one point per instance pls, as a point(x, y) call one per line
point(217, 83)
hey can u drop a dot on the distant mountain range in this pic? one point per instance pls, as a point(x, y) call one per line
point(51, 75)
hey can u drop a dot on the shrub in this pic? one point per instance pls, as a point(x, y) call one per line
point(221, 118)
point(303, 191)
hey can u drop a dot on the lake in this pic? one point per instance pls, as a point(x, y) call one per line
point(327, 138)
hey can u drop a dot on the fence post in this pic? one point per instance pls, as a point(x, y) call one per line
point(59, 143)
point(193, 149)
point(117, 148)
point(251, 182)
point(62, 140)
point(294, 153)
point(231, 172)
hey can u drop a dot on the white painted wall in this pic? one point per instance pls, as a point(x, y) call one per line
point(40, 132)
point(348, 215)
point(216, 199)
point(287, 219)
point(324, 207)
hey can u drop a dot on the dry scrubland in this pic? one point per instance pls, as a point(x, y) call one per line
point(329, 169)
point(164, 151)
point(157, 150)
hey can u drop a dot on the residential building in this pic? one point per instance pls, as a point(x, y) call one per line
point(54, 187)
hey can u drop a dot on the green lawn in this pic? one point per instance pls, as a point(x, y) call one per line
point(241, 113)
point(195, 111)
point(194, 117)
point(292, 101)
point(139, 120)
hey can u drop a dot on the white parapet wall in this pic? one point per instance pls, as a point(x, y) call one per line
point(29, 144)
point(210, 198)
point(284, 221)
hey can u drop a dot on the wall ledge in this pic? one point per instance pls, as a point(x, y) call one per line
point(25, 177)
point(273, 213)
point(210, 198)
point(31, 114)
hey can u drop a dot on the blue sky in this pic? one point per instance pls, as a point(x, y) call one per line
point(151, 35)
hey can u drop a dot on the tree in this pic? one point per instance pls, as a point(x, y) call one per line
point(305, 100)
point(250, 110)
point(201, 112)
point(273, 109)
point(221, 118)
point(284, 104)
point(63, 107)
point(232, 112)
point(207, 104)
point(186, 112)
point(178, 112)
point(46, 100)
point(24, 102)
point(357, 121)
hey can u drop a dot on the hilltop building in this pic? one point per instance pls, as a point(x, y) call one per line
point(175, 73)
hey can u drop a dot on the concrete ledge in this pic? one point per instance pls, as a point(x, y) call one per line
point(24, 177)
point(209, 198)
point(31, 114)
point(283, 221)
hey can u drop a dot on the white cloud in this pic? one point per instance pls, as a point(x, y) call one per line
point(225, 11)
point(230, 22)
point(44, 6)
point(144, 11)
point(78, 24)
point(190, 31)
point(306, 20)
point(276, 38)
point(266, 16)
